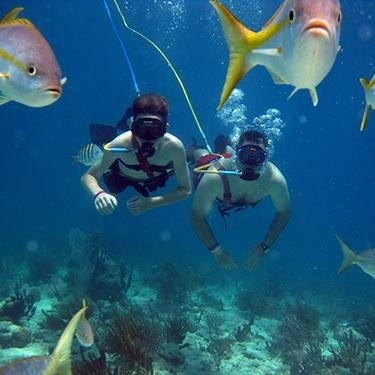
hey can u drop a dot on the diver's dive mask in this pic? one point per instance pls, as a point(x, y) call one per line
point(253, 158)
point(149, 127)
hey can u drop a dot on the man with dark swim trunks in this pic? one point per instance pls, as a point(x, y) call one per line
point(142, 158)
point(247, 178)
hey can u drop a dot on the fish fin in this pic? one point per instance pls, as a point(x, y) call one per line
point(372, 82)
point(3, 99)
point(269, 22)
point(19, 21)
point(11, 15)
point(237, 37)
point(365, 118)
point(314, 96)
point(241, 42)
point(365, 83)
point(349, 256)
point(60, 360)
point(276, 78)
point(293, 92)
point(268, 51)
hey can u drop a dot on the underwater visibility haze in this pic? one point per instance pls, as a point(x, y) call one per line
point(157, 301)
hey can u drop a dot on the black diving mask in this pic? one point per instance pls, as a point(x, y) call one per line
point(253, 157)
point(149, 128)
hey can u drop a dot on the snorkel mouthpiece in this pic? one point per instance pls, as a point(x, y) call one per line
point(147, 149)
point(253, 157)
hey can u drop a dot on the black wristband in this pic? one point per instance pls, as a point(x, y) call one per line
point(264, 246)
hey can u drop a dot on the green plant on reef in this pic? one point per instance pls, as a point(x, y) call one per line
point(133, 340)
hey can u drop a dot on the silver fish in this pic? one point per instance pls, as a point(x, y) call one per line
point(365, 260)
point(29, 72)
point(88, 155)
point(59, 362)
point(298, 45)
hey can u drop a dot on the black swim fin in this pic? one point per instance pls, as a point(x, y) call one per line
point(101, 134)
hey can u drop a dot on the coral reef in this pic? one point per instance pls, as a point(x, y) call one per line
point(17, 306)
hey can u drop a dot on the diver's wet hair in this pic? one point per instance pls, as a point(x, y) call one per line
point(253, 136)
point(151, 103)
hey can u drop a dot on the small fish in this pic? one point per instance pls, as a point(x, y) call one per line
point(59, 362)
point(84, 332)
point(369, 88)
point(365, 259)
point(88, 155)
point(298, 45)
point(29, 72)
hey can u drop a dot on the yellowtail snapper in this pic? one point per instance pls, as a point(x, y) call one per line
point(29, 72)
point(298, 45)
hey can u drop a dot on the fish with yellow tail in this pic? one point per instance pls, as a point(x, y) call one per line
point(365, 260)
point(58, 363)
point(369, 88)
point(298, 45)
point(29, 72)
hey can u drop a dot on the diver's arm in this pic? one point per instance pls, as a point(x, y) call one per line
point(203, 200)
point(281, 201)
point(181, 171)
point(89, 180)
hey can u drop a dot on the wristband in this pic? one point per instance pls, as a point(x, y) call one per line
point(214, 248)
point(264, 246)
point(98, 193)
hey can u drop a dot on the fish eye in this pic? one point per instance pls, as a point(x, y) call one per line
point(31, 70)
point(292, 15)
point(339, 17)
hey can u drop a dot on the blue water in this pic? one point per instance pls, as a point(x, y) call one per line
point(327, 162)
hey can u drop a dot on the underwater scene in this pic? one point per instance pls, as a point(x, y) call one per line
point(189, 189)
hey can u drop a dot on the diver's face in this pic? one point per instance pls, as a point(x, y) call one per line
point(251, 157)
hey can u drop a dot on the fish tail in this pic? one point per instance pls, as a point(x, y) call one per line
point(61, 358)
point(365, 118)
point(349, 256)
point(240, 41)
point(365, 83)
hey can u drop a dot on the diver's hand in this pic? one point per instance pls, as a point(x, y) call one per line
point(255, 256)
point(139, 205)
point(224, 259)
point(105, 203)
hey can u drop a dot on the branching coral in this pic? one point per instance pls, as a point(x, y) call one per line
point(242, 332)
point(134, 339)
point(173, 284)
point(176, 328)
point(352, 353)
point(299, 340)
point(18, 306)
point(93, 365)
